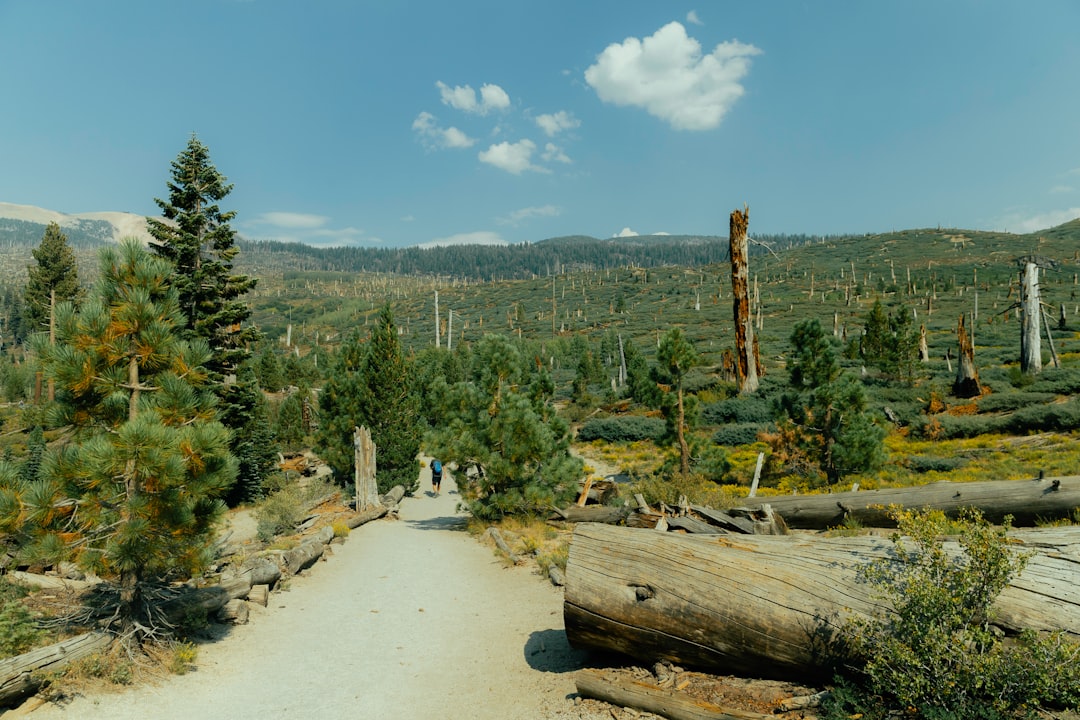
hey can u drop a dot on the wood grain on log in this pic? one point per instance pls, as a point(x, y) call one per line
point(259, 595)
point(235, 612)
point(594, 513)
point(647, 696)
point(366, 516)
point(16, 679)
point(1028, 501)
point(768, 606)
point(302, 556)
point(500, 543)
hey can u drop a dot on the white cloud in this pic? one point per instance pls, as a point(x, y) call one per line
point(554, 153)
point(483, 237)
point(528, 213)
point(514, 158)
point(1021, 224)
point(463, 97)
point(693, 19)
point(408, 218)
point(667, 75)
point(625, 232)
point(290, 220)
point(435, 137)
point(553, 124)
point(1059, 189)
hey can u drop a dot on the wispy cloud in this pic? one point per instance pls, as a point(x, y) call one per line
point(464, 98)
point(693, 19)
point(483, 237)
point(554, 153)
point(290, 220)
point(303, 228)
point(554, 123)
point(1019, 223)
point(514, 158)
point(434, 137)
point(529, 213)
point(667, 75)
point(1062, 189)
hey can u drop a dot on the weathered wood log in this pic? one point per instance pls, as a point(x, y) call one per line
point(324, 534)
point(393, 497)
point(724, 520)
point(259, 595)
point(652, 698)
point(594, 513)
point(768, 606)
point(50, 582)
point(556, 576)
point(500, 543)
point(206, 600)
point(1028, 501)
point(692, 525)
point(236, 585)
point(643, 520)
point(16, 673)
point(261, 570)
point(302, 556)
point(366, 516)
point(234, 612)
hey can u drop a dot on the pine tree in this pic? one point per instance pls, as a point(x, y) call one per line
point(501, 430)
point(54, 275)
point(196, 237)
point(372, 386)
point(134, 494)
point(676, 356)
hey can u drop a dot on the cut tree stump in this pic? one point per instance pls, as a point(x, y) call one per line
point(652, 698)
point(260, 595)
point(769, 606)
point(1028, 501)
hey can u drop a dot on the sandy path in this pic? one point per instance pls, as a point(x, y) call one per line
point(409, 618)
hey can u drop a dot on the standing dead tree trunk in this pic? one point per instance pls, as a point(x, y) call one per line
point(745, 345)
point(1030, 347)
point(967, 377)
point(367, 490)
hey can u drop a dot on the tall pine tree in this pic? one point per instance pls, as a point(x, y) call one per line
point(372, 386)
point(196, 238)
point(135, 492)
point(54, 274)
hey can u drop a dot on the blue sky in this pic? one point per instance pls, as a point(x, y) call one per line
point(372, 122)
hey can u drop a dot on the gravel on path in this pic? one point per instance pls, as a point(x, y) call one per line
point(408, 618)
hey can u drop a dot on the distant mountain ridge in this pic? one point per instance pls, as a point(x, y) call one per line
point(25, 224)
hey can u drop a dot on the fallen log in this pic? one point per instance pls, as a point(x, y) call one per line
point(652, 698)
point(302, 556)
point(261, 571)
point(593, 513)
point(259, 595)
point(234, 612)
point(17, 674)
point(768, 606)
point(500, 543)
point(366, 516)
point(1028, 501)
point(393, 497)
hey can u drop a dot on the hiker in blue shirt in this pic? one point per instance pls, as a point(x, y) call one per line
point(436, 476)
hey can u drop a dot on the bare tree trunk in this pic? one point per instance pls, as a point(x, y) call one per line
point(367, 491)
point(745, 347)
point(1030, 347)
point(967, 377)
point(52, 339)
point(437, 339)
point(684, 448)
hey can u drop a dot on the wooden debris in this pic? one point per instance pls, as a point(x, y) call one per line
point(650, 697)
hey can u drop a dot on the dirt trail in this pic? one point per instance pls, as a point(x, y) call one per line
point(409, 618)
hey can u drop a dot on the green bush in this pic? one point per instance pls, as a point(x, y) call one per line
point(1059, 381)
point(743, 409)
point(279, 514)
point(18, 630)
point(622, 429)
point(740, 433)
point(1059, 417)
point(1013, 401)
point(933, 653)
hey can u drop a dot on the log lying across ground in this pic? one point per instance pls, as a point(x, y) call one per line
point(767, 606)
point(1028, 501)
point(17, 674)
point(652, 698)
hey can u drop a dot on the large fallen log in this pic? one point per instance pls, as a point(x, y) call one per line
point(647, 696)
point(593, 513)
point(17, 674)
point(1028, 501)
point(768, 606)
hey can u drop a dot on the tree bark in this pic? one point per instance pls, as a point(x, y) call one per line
point(967, 383)
point(654, 699)
point(1028, 501)
point(367, 490)
point(17, 673)
point(768, 606)
point(1030, 309)
point(745, 347)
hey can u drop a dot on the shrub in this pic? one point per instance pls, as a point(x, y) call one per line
point(933, 463)
point(934, 653)
point(18, 630)
point(1013, 401)
point(740, 433)
point(743, 409)
point(1059, 381)
point(279, 514)
point(622, 429)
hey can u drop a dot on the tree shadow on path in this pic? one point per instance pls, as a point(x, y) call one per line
point(550, 651)
point(445, 522)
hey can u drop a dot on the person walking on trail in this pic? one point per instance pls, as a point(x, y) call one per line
point(436, 476)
